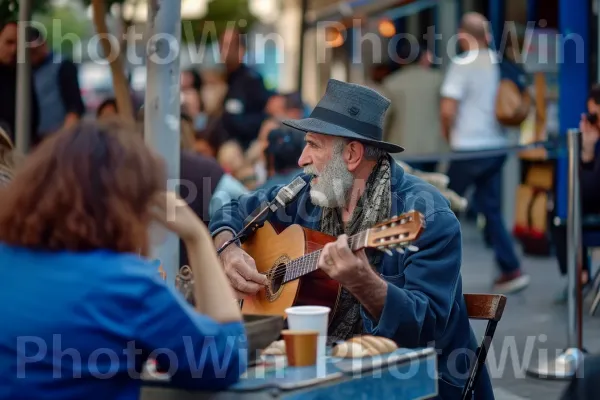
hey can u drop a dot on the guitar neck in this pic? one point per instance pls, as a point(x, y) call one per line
point(308, 263)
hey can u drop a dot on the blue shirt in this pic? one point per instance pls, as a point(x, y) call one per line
point(71, 321)
point(424, 304)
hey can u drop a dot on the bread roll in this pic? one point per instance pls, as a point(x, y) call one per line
point(379, 344)
point(349, 350)
point(364, 346)
point(276, 348)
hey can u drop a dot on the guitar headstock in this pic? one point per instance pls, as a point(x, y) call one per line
point(396, 233)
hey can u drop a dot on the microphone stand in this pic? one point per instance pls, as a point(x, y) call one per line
point(285, 195)
point(251, 226)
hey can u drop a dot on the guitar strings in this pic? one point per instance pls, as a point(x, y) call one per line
point(308, 257)
point(302, 259)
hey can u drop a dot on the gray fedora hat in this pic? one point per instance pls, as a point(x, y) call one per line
point(350, 111)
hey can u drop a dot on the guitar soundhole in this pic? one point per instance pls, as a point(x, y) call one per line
point(277, 280)
point(276, 277)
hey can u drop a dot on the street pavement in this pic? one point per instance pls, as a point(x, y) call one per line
point(532, 326)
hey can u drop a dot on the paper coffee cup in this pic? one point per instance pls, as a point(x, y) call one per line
point(305, 318)
point(300, 347)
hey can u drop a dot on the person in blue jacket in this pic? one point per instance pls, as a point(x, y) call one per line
point(414, 298)
point(83, 310)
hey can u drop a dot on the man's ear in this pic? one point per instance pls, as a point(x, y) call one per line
point(354, 155)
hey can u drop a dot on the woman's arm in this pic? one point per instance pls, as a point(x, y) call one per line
point(196, 351)
point(213, 294)
point(204, 348)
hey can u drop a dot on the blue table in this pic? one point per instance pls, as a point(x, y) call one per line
point(404, 374)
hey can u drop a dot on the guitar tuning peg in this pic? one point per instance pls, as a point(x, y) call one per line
point(400, 250)
point(412, 248)
point(388, 251)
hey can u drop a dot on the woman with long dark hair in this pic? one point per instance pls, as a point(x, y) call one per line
point(82, 309)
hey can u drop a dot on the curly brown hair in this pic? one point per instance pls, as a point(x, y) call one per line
point(86, 188)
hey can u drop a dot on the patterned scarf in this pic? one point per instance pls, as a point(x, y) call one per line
point(6, 164)
point(373, 207)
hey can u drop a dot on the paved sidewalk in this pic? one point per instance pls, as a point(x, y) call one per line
point(532, 325)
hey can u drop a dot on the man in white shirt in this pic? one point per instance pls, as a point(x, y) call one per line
point(469, 124)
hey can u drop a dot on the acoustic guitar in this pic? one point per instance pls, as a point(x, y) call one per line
point(289, 260)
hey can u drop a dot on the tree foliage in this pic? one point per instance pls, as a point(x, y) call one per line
point(61, 22)
point(219, 16)
point(9, 9)
point(109, 3)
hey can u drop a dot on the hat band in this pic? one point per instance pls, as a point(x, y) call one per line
point(336, 118)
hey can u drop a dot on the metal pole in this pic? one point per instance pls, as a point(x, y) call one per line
point(496, 11)
point(596, 6)
point(447, 28)
point(162, 108)
point(574, 242)
point(565, 365)
point(23, 114)
point(302, 46)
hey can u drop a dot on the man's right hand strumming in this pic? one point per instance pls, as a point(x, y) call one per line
point(240, 268)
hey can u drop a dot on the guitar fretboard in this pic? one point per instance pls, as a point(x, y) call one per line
point(308, 263)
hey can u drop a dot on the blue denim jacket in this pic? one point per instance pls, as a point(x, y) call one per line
point(424, 305)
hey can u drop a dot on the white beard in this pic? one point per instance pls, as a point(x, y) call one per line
point(334, 183)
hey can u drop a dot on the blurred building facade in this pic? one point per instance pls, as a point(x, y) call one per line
point(346, 39)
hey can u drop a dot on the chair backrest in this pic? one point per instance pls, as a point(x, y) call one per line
point(487, 307)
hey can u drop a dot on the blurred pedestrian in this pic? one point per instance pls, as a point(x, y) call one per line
point(414, 91)
point(285, 146)
point(294, 106)
point(201, 177)
point(107, 109)
point(246, 99)
point(8, 83)
point(377, 75)
point(589, 176)
point(213, 91)
point(191, 99)
point(279, 107)
point(191, 79)
point(469, 124)
point(57, 86)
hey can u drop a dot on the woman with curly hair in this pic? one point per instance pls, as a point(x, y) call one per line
point(82, 308)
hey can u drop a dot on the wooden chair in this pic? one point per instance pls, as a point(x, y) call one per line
point(487, 307)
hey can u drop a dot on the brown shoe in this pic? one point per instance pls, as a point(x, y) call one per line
point(511, 283)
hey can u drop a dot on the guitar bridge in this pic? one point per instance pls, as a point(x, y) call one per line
point(276, 277)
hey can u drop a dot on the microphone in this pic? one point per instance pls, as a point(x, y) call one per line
point(285, 196)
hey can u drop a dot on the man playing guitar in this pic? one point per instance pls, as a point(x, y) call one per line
point(414, 298)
